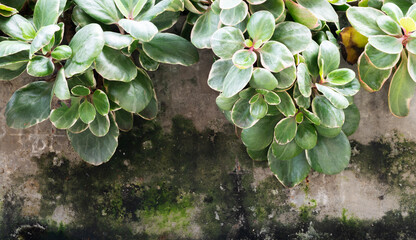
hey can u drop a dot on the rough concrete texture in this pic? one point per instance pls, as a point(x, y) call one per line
point(187, 176)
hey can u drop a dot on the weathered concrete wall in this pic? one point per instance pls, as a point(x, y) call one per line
point(187, 176)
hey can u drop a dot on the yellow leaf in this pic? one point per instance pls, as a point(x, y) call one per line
point(408, 24)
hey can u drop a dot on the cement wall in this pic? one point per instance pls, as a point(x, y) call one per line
point(186, 176)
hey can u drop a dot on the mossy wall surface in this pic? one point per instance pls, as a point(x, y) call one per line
point(186, 175)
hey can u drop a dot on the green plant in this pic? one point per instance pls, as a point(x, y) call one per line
point(391, 50)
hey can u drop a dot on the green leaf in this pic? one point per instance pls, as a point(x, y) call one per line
point(379, 59)
point(263, 79)
point(159, 8)
point(44, 36)
point(80, 90)
point(218, 72)
point(87, 112)
point(148, 63)
point(352, 120)
point(100, 126)
point(244, 58)
point(204, 28)
point(104, 11)
point(7, 11)
point(172, 49)
point(311, 116)
point(330, 116)
point(393, 11)
point(113, 65)
point(337, 99)
point(410, 46)
point(240, 114)
point(311, 58)
point(227, 4)
point(306, 136)
point(300, 100)
point(235, 80)
point(132, 96)
point(11, 60)
point(259, 156)
point(8, 48)
point(411, 65)
point(226, 41)
point(18, 27)
point(141, 30)
point(226, 104)
point(40, 66)
point(321, 9)
point(330, 155)
point(261, 26)
point(328, 58)
point(386, 44)
point(340, 76)
point(364, 20)
point(259, 108)
point(304, 80)
point(349, 89)
point(235, 15)
point(272, 98)
point(402, 89)
point(86, 79)
point(62, 52)
point(287, 106)
point(117, 41)
point(101, 102)
point(95, 150)
point(78, 127)
point(389, 26)
point(260, 135)
point(328, 132)
point(275, 7)
point(17, 4)
point(47, 12)
point(12, 71)
point(82, 19)
point(29, 105)
point(302, 15)
point(86, 46)
point(151, 110)
point(287, 151)
point(124, 120)
point(60, 87)
point(130, 8)
point(65, 117)
point(268, 58)
point(285, 130)
point(286, 77)
point(371, 78)
point(295, 36)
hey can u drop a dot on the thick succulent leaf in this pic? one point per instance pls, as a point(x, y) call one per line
point(12, 71)
point(389, 26)
point(287, 151)
point(352, 120)
point(240, 114)
point(386, 44)
point(65, 117)
point(150, 12)
point(226, 41)
point(402, 89)
point(302, 15)
point(80, 90)
point(101, 102)
point(235, 15)
point(295, 36)
point(364, 20)
point(244, 58)
point(104, 11)
point(289, 172)
point(218, 73)
point(393, 11)
point(47, 12)
point(95, 150)
point(258, 108)
point(130, 8)
point(269, 59)
point(311, 116)
point(86, 46)
point(11, 60)
point(82, 19)
point(44, 36)
point(113, 65)
point(286, 77)
point(260, 135)
point(18, 27)
point(340, 76)
point(141, 30)
point(371, 78)
point(236, 80)
point(287, 106)
point(321, 9)
point(204, 28)
point(124, 120)
point(311, 58)
point(411, 45)
point(172, 49)
point(248, 93)
point(337, 99)
point(87, 112)
point(306, 136)
point(8, 48)
point(304, 80)
point(275, 7)
point(78, 127)
point(328, 58)
point(379, 59)
point(300, 100)
point(227, 4)
point(411, 65)
point(263, 79)
point(330, 155)
point(100, 126)
point(7, 11)
point(86, 79)
point(62, 52)
point(148, 63)
point(408, 24)
point(348, 90)
point(329, 115)
point(226, 104)
point(328, 132)
point(40, 66)
point(60, 87)
point(285, 130)
point(272, 98)
point(117, 40)
point(258, 156)
point(29, 105)
point(261, 26)
point(132, 96)
point(151, 110)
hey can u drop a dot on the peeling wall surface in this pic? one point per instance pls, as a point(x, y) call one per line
point(186, 175)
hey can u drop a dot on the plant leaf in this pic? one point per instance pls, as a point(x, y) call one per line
point(60, 87)
point(204, 28)
point(379, 59)
point(18, 27)
point(263, 79)
point(40, 66)
point(244, 58)
point(44, 36)
point(104, 11)
point(240, 114)
point(124, 120)
point(47, 12)
point(306, 136)
point(296, 37)
point(304, 80)
point(218, 72)
point(371, 78)
point(8, 48)
point(87, 112)
point(260, 135)
point(287, 106)
point(65, 117)
point(352, 120)
point(268, 58)
point(226, 104)
point(227, 4)
point(275, 7)
point(117, 41)
point(144, 31)
point(226, 41)
point(100, 126)
point(261, 26)
point(113, 65)
point(101, 102)
point(328, 58)
point(259, 108)
point(235, 15)
point(285, 130)
point(330, 116)
point(130, 8)
point(302, 15)
point(389, 26)
point(364, 20)
point(337, 99)
point(287, 151)
point(321, 9)
point(235, 80)
point(340, 76)
point(386, 44)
